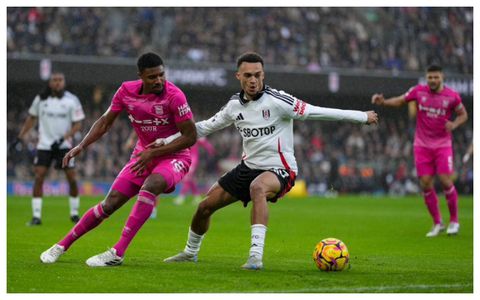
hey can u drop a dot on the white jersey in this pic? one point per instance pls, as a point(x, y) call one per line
point(266, 126)
point(55, 118)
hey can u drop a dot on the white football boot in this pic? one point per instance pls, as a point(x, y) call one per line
point(108, 258)
point(52, 254)
point(453, 228)
point(253, 263)
point(436, 229)
point(181, 257)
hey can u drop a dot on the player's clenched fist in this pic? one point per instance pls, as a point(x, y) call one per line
point(372, 117)
point(378, 99)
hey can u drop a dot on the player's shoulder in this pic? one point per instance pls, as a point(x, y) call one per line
point(71, 97)
point(450, 91)
point(131, 87)
point(235, 100)
point(421, 87)
point(279, 96)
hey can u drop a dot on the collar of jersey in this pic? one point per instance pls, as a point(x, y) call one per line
point(257, 96)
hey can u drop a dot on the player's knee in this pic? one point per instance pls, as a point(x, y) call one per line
point(426, 184)
point(257, 190)
point(39, 178)
point(112, 203)
point(205, 209)
point(155, 185)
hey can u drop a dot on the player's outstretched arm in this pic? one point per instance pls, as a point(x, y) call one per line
point(379, 99)
point(98, 129)
point(313, 112)
point(219, 121)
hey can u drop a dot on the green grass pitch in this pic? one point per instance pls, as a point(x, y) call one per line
point(385, 238)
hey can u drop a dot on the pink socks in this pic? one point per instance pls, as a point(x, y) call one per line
point(91, 219)
point(452, 201)
point(140, 213)
point(431, 200)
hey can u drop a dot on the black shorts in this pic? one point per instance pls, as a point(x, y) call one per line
point(45, 158)
point(237, 182)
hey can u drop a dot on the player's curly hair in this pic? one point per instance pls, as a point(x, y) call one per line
point(148, 60)
point(251, 57)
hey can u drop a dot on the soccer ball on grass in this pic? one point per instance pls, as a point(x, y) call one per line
point(331, 254)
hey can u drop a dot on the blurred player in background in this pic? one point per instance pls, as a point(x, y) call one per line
point(156, 109)
point(189, 183)
point(468, 154)
point(433, 149)
point(264, 118)
point(59, 114)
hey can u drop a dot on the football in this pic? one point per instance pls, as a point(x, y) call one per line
point(331, 254)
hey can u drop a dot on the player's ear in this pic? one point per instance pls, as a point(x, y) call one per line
point(237, 74)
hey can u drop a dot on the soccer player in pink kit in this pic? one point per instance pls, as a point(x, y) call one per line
point(433, 141)
point(189, 182)
point(157, 109)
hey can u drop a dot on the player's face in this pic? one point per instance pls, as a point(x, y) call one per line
point(57, 83)
point(153, 80)
point(251, 78)
point(435, 80)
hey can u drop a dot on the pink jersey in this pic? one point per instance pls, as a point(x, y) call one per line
point(152, 116)
point(433, 111)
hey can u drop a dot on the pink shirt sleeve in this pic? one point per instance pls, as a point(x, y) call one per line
point(180, 108)
point(457, 103)
point(411, 94)
point(117, 103)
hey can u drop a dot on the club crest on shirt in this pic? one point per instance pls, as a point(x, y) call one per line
point(158, 109)
point(445, 103)
point(130, 107)
point(424, 98)
point(266, 114)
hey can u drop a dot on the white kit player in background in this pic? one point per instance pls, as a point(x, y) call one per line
point(264, 118)
point(59, 114)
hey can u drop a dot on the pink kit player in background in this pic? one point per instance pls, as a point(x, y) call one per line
point(156, 109)
point(433, 149)
point(189, 183)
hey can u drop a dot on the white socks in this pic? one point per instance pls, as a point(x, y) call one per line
point(193, 243)
point(37, 207)
point(74, 205)
point(258, 240)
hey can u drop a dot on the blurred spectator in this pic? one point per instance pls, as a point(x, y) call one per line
point(393, 38)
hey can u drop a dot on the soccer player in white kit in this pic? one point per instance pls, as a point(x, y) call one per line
point(59, 114)
point(264, 118)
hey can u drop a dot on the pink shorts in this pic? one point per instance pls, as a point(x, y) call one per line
point(431, 161)
point(193, 168)
point(171, 168)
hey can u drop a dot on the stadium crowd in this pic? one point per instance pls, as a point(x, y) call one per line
point(313, 38)
point(332, 157)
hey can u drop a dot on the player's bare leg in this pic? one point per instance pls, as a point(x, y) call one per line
point(142, 209)
point(265, 186)
point(74, 200)
point(40, 174)
point(215, 199)
point(431, 201)
point(452, 200)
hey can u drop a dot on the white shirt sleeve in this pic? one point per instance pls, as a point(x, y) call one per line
point(76, 112)
point(35, 107)
point(333, 114)
point(300, 110)
point(219, 121)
